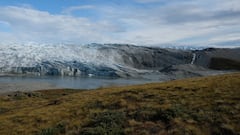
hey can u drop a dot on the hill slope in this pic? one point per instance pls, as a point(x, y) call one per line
point(209, 105)
point(223, 63)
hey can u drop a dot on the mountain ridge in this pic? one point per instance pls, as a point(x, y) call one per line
point(108, 60)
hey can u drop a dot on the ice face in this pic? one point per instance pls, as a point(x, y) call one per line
point(29, 55)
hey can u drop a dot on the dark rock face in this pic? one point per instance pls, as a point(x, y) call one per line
point(224, 64)
point(204, 57)
point(151, 58)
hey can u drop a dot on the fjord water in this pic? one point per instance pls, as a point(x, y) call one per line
point(21, 83)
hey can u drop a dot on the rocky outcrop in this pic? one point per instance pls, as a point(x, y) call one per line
point(205, 57)
point(151, 58)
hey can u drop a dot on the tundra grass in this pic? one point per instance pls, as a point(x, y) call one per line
point(197, 106)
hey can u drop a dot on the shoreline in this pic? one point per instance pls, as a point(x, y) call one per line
point(25, 87)
point(8, 87)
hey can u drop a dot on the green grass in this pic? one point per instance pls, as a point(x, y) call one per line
point(197, 106)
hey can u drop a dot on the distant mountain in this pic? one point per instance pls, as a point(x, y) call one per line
point(108, 60)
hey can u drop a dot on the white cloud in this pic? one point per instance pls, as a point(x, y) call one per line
point(228, 37)
point(34, 25)
point(193, 22)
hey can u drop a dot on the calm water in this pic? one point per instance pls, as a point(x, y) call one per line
point(72, 82)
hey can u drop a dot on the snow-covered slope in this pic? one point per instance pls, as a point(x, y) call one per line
point(56, 59)
point(28, 55)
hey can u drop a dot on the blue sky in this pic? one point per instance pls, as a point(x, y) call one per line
point(140, 22)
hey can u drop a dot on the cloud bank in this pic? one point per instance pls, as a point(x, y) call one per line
point(147, 22)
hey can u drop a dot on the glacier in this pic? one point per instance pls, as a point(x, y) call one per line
point(105, 60)
point(62, 59)
point(57, 59)
point(110, 60)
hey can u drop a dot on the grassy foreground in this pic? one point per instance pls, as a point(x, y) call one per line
point(199, 106)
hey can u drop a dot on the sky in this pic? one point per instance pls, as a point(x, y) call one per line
point(139, 22)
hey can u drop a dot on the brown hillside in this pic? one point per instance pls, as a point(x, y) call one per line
point(209, 105)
